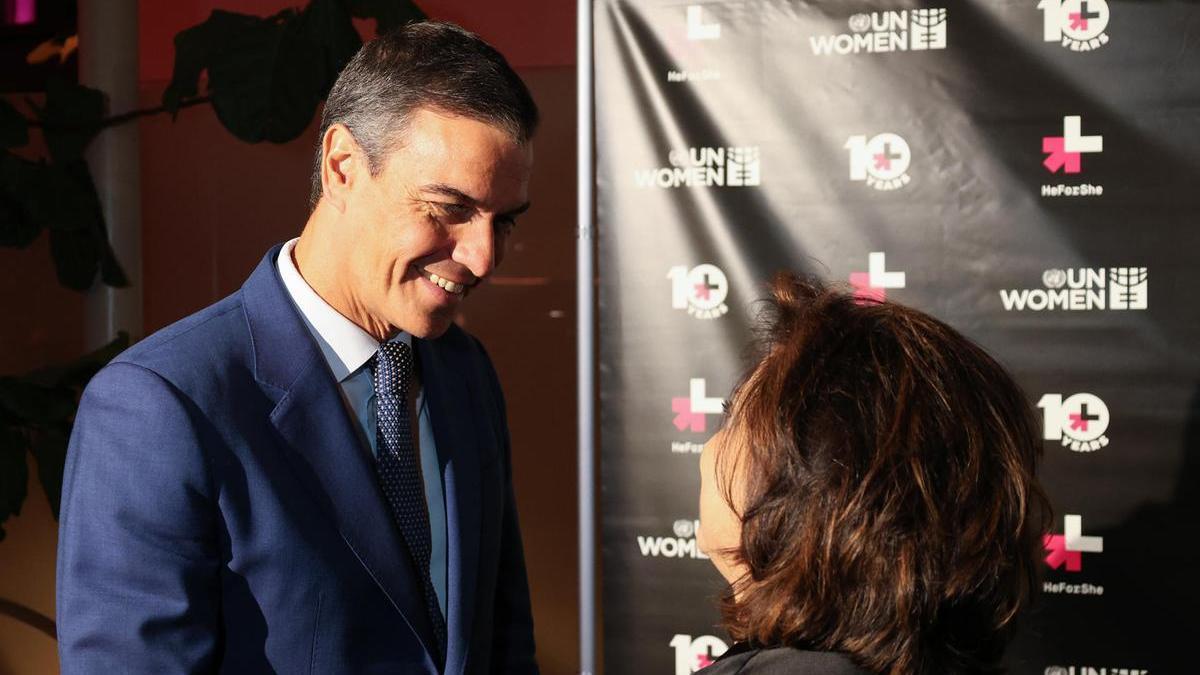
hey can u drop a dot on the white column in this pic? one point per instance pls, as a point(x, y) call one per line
point(585, 306)
point(108, 61)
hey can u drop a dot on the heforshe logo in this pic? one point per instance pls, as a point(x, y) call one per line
point(881, 161)
point(1065, 153)
point(692, 654)
point(699, 27)
point(873, 285)
point(1078, 25)
point(700, 290)
point(692, 411)
point(1066, 550)
point(1079, 422)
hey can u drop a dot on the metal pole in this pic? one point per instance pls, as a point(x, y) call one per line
point(585, 303)
point(108, 61)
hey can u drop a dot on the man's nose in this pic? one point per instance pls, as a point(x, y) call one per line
point(475, 247)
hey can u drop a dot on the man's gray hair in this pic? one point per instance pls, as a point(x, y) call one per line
point(430, 64)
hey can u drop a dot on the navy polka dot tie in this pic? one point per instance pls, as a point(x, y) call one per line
point(399, 467)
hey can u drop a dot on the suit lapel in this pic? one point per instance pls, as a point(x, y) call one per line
point(455, 416)
point(323, 445)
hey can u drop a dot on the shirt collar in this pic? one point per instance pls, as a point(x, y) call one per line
point(344, 344)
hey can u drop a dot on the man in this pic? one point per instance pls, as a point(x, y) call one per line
point(313, 474)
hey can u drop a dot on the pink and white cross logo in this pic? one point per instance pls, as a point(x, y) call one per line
point(881, 161)
point(872, 285)
point(1064, 152)
point(700, 290)
point(1067, 549)
point(692, 411)
point(1079, 421)
point(693, 654)
point(1078, 25)
point(883, 158)
point(1080, 20)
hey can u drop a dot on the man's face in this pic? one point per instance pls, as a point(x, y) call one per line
point(433, 223)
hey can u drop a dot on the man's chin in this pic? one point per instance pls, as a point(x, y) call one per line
point(430, 327)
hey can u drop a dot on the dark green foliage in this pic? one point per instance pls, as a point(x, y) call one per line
point(36, 413)
point(18, 227)
point(71, 118)
point(78, 236)
point(265, 79)
point(326, 25)
point(388, 14)
point(14, 128)
point(58, 194)
point(49, 450)
point(260, 75)
point(14, 474)
point(266, 76)
point(59, 197)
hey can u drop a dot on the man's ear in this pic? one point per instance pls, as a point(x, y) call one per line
point(342, 162)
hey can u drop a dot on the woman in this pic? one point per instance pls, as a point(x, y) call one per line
point(872, 498)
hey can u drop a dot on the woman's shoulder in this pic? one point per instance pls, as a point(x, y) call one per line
point(783, 660)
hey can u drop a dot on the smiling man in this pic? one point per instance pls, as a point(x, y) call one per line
point(313, 475)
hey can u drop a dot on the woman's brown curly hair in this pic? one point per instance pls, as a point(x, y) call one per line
point(891, 509)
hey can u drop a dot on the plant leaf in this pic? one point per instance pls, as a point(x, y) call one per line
point(14, 128)
point(75, 375)
point(82, 369)
point(265, 76)
point(72, 214)
point(49, 449)
point(195, 49)
point(62, 198)
point(76, 258)
point(33, 405)
point(14, 474)
point(30, 184)
point(71, 118)
point(268, 88)
point(18, 227)
point(91, 213)
point(47, 400)
point(388, 14)
point(327, 24)
point(191, 53)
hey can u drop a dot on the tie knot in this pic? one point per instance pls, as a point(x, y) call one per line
point(393, 368)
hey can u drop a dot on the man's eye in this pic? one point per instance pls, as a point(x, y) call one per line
point(451, 211)
point(505, 224)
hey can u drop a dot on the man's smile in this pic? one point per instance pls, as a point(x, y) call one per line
point(454, 287)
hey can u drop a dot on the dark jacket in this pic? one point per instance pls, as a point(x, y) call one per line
point(220, 512)
point(744, 659)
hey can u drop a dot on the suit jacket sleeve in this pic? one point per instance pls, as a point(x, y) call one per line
point(138, 556)
point(512, 637)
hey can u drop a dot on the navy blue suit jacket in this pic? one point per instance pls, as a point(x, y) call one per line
point(221, 513)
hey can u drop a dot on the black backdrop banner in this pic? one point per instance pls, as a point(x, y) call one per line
point(1028, 171)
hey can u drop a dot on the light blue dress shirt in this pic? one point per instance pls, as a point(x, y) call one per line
point(348, 349)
